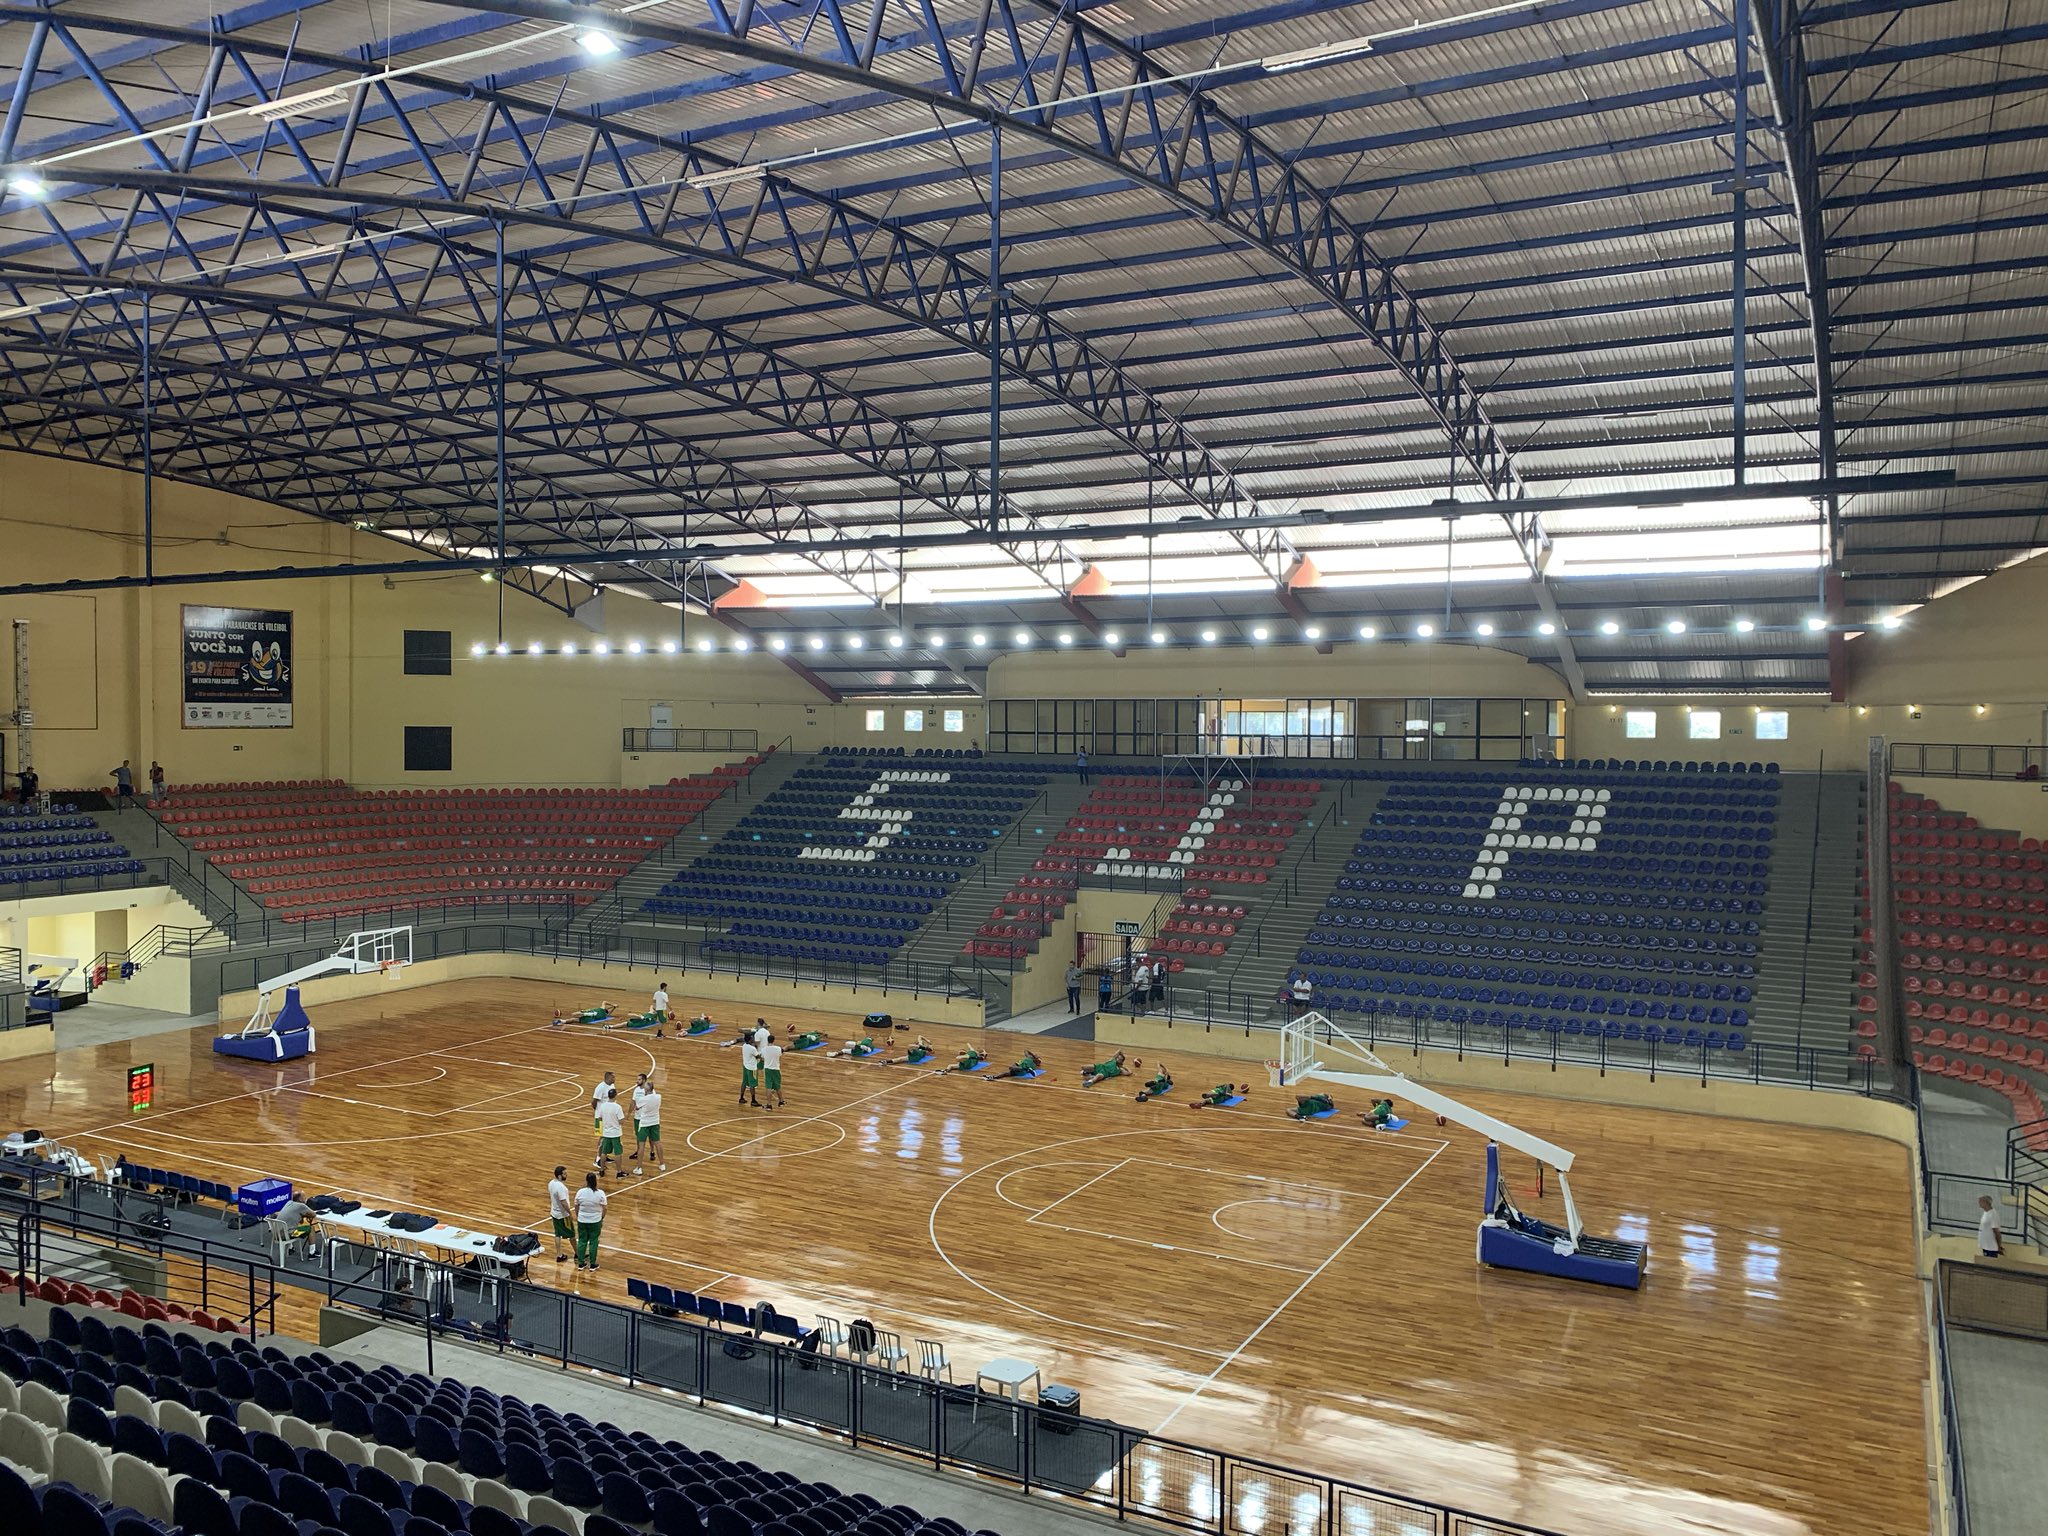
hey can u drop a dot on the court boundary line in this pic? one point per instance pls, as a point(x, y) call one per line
point(1310, 1279)
point(1032, 1219)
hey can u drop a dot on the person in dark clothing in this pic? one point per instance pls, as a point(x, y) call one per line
point(1081, 766)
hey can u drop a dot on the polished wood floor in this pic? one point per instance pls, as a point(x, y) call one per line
point(1304, 1293)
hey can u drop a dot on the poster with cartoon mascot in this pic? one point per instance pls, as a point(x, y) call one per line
point(238, 668)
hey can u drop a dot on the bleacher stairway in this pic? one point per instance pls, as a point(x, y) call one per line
point(1805, 981)
point(618, 913)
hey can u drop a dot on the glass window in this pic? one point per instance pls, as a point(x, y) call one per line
point(955, 720)
point(878, 719)
point(429, 653)
point(1773, 725)
point(913, 719)
point(1642, 725)
point(1704, 725)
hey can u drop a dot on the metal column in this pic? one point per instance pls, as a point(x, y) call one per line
point(24, 715)
point(995, 327)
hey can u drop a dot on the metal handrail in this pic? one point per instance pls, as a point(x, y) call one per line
point(1957, 1490)
point(636, 738)
point(2024, 761)
point(1812, 876)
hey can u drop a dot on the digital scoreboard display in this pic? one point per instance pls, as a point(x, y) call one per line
point(141, 1087)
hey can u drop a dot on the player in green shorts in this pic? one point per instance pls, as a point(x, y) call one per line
point(701, 1025)
point(1162, 1080)
point(1025, 1068)
point(809, 1040)
point(1103, 1071)
point(1309, 1105)
point(970, 1061)
point(1219, 1097)
point(864, 1046)
point(920, 1052)
point(1382, 1114)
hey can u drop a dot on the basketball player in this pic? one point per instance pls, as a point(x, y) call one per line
point(1162, 1080)
point(611, 1145)
point(1220, 1096)
point(771, 1069)
point(559, 1211)
point(919, 1053)
point(647, 1125)
point(660, 1008)
point(1024, 1068)
point(750, 1067)
point(641, 1088)
point(970, 1060)
point(1103, 1071)
point(606, 1090)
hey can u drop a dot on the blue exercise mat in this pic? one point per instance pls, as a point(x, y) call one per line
point(1392, 1125)
point(804, 1050)
point(975, 1068)
point(1323, 1114)
point(1232, 1102)
point(1013, 1077)
point(1160, 1093)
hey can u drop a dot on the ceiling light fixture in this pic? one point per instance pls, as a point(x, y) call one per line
point(856, 642)
point(1259, 632)
point(895, 642)
point(668, 647)
point(26, 184)
point(1609, 627)
point(477, 649)
point(1160, 637)
point(603, 647)
point(319, 100)
point(1675, 627)
point(1112, 639)
point(1745, 626)
point(1322, 53)
point(1890, 621)
point(1313, 632)
point(533, 648)
point(707, 645)
point(634, 647)
point(1208, 637)
point(1816, 622)
point(743, 644)
point(568, 647)
point(1065, 637)
point(1022, 637)
point(777, 643)
point(1425, 631)
point(503, 648)
point(937, 641)
point(817, 642)
point(1367, 632)
point(1546, 628)
point(979, 637)
point(597, 42)
point(725, 176)
point(1482, 630)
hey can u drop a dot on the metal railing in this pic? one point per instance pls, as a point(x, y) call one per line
point(1967, 760)
point(689, 739)
point(1956, 1486)
point(1111, 1468)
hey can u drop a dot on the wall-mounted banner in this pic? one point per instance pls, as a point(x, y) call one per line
point(238, 668)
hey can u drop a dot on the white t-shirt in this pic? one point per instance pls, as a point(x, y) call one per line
point(640, 1092)
point(602, 1092)
point(1142, 976)
point(1304, 989)
point(771, 1056)
point(590, 1204)
point(750, 1054)
point(661, 1000)
point(558, 1200)
point(1987, 1231)
point(611, 1117)
point(647, 1109)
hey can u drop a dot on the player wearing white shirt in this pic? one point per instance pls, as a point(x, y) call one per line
point(611, 1146)
point(771, 1071)
point(750, 1069)
point(590, 1204)
point(660, 1009)
point(641, 1088)
point(559, 1211)
point(607, 1088)
point(647, 1127)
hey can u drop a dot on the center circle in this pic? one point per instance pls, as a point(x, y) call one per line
point(761, 1138)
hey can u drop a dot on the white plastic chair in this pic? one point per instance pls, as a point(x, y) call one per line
point(932, 1362)
point(542, 1510)
point(41, 1406)
point(438, 1474)
point(831, 1334)
point(140, 1486)
point(496, 1495)
point(393, 1462)
point(297, 1432)
point(176, 1418)
point(253, 1418)
point(77, 1461)
point(889, 1350)
point(23, 1442)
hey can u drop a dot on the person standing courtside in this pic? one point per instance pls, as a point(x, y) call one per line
point(771, 1070)
point(660, 1008)
point(605, 1089)
point(647, 1126)
point(156, 782)
point(611, 1146)
point(1073, 987)
point(124, 783)
point(590, 1204)
point(560, 1211)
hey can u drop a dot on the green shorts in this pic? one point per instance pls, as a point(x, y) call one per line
point(1108, 1069)
point(747, 1077)
point(565, 1228)
point(774, 1077)
point(647, 1133)
point(611, 1146)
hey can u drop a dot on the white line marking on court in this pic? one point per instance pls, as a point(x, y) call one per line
point(1261, 1178)
point(517, 1066)
point(1146, 1242)
point(421, 1082)
point(1063, 1199)
point(1292, 1297)
point(1216, 1216)
point(1035, 1167)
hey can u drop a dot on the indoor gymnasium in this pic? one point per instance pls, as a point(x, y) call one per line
point(865, 768)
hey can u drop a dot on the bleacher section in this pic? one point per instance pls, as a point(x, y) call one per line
point(1972, 911)
point(1611, 901)
point(65, 845)
point(1230, 835)
point(319, 849)
point(101, 1421)
point(846, 860)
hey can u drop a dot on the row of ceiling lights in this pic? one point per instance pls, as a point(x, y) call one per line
point(1024, 638)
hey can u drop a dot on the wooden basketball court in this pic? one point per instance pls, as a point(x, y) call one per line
point(1306, 1294)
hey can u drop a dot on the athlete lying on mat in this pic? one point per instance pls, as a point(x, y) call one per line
point(864, 1046)
point(970, 1061)
point(1162, 1080)
point(1103, 1071)
point(1382, 1112)
point(919, 1053)
point(1024, 1068)
point(1220, 1096)
point(1309, 1105)
point(809, 1040)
